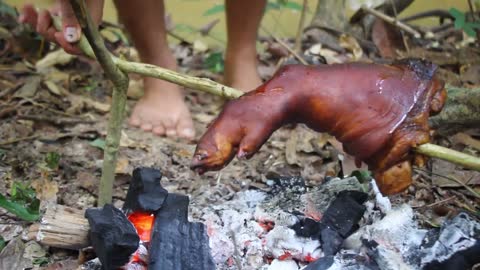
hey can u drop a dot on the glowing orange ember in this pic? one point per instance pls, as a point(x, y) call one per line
point(143, 222)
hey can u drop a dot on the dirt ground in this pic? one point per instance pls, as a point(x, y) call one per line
point(54, 104)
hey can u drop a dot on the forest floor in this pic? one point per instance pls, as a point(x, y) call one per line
point(54, 110)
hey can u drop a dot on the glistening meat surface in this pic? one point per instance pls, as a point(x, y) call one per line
point(378, 112)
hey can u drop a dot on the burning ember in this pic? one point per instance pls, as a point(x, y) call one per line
point(143, 223)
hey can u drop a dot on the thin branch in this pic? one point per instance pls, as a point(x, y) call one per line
point(290, 50)
point(301, 24)
point(119, 99)
point(393, 21)
point(450, 155)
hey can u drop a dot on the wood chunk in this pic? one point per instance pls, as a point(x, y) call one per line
point(61, 227)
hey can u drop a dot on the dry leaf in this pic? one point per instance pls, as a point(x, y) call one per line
point(58, 57)
point(53, 88)
point(122, 166)
point(135, 89)
point(45, 188)
point(87, 181)
point(29, 89)
point(466, 139)
point(450, 170)
point(291, 149)
point(350, 43)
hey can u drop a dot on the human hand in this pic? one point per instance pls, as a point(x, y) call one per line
point(71, 32)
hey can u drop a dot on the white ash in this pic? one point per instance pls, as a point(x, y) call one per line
point(456, 235)
point(253, 227)
point(283, 265)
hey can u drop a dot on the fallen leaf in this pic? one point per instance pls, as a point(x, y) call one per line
point(122, 166)
point(135, 89)
point(291, 149)
point(45, 189)
point(58, 57)
point(466, 139)
point(29, 89)
point(11, 256)
point(351, 44)
point(87, 180)
point(387, 39)
point(471, 74)
point(53, 88)
point(450, 170)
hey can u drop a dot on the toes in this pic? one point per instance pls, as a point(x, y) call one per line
point(185, 128)
point(159, 130)
point(146, 126)
point(134, 121)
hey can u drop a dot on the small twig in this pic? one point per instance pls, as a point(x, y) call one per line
point(437, 203)
point(301, 24)
point(393, 21)
point(404, 39)
point(59, 121)
point(471, 190)
point(16, 140)
point(450, 155)
point(119, 99)
point(290, 50)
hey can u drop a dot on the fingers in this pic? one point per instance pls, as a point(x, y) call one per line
point(71, 29)
point(253, 140)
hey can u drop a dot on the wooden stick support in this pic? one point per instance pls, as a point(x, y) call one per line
point(61, 227)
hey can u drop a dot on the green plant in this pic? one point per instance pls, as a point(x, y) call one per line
point(215, 62)
point(2, 243)
point(462, 23)
point(52, 160)
point(22, 202)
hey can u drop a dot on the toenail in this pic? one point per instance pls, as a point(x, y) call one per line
point(188, 132)
point(171, 133)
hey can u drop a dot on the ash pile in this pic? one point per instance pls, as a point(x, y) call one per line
point(341, 224)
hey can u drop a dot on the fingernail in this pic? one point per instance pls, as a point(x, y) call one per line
point(71, 34)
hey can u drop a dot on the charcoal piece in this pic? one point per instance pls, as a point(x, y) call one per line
point(113, 237)
point(345, 211)
point(295, 184)
point(464, 259)
point(145, 192)
point(457, 246)
point(307, 227)
point(322, 263)
point(177, 243)
point(331, 241)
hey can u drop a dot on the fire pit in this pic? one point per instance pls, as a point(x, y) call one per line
point(341, 224)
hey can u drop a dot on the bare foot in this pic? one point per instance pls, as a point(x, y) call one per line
point(241, 71)
point(162, 110)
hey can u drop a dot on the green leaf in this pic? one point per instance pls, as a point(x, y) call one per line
point(215, 62)
point(18, 209)
point(459, 18)
point(363, 176)
point(41, 261)
point(214, 10)
point(99, 143)
point(2, 243)
point(7, 9)
point(294, 6)
point(52, 159)
point(272, 5)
